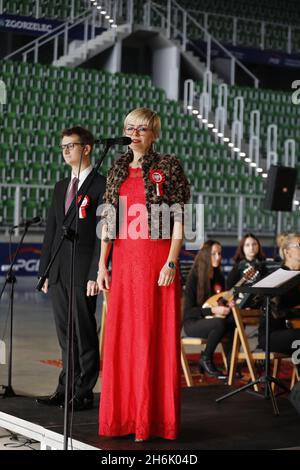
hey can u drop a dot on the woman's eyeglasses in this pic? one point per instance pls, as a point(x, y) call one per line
point(141, 130)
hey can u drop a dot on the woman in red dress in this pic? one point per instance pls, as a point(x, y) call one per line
point(140, 390)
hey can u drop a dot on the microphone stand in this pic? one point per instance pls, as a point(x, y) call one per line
point(71, 235)
point(11, 279)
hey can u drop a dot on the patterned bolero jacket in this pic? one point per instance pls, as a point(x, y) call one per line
point(175, 190)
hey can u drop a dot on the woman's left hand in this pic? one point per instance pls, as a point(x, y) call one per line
point(166, 276)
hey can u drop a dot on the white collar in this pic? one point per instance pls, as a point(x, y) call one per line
point(83, 175)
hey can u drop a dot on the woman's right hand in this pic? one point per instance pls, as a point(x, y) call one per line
point(220, 311)
point(103, 278)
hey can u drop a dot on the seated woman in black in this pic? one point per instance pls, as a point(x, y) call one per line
point(284, 307)
point(248, 254)
point(204, 280)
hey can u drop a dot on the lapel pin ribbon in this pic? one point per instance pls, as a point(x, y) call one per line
point(157, 177)
point(82, 209)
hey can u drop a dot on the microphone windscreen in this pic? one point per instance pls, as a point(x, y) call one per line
point(123, 140)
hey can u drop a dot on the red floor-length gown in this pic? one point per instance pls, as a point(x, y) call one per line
point(140, 392)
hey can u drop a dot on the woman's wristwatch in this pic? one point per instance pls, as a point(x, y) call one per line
point(171, 265)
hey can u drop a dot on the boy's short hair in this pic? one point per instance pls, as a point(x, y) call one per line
point(85, 136)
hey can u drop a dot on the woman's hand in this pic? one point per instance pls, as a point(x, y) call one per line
point(220, 312)
point(103, 278)
point(166, 276)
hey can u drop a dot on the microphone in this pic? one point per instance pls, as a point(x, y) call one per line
point(27, 223)
point(114, 141)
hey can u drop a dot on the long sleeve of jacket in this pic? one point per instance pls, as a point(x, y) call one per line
point(48, 238)
point(233, 277)
point(191, 309)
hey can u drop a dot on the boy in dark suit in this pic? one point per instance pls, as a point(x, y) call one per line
point(76, 142)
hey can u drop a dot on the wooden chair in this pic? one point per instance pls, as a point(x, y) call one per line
point(296, 324)
point(243, 318)
point(191, 341)
point(103, 321)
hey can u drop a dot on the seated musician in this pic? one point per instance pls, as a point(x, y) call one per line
point(286, 307)
point(213, 323)
point(249, 254)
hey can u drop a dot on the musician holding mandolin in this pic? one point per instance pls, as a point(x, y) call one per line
point(286, 307)
point(248, 253)
point(213, 323)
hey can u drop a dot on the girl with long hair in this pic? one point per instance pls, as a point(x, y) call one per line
point(206, 279)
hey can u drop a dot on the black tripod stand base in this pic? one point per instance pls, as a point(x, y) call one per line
point(267, 381)
point(8, 392)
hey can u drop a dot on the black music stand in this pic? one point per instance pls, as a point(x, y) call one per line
point(268, 287)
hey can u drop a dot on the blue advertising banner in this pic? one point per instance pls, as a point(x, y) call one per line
point(38, 27)
point(252, 55)
point(27, 262)
point(27, 24)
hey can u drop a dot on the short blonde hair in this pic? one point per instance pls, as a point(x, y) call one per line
point(280, 238)
point(145, 116)
point(287, 241)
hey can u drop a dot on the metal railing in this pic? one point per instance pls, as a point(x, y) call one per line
point(224, 213)
point(37, 10)
point(245, 141)
point(17, 194)
point(234, 215)
point(61, 36)
point(62, 30)
point(264, 27)
point(176, 22)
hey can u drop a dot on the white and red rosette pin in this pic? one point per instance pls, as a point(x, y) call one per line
point(157, 177)
point(83, 206)
point(217, 288)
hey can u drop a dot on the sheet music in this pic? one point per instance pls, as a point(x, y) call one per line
point(277, 278)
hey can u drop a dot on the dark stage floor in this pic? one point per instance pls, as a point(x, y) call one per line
point(239, 423)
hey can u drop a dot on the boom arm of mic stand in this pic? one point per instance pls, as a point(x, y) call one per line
point(46, 273)
point(99, 162)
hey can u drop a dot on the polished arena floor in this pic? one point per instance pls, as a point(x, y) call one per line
point(242, 422)
point(35, 350)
